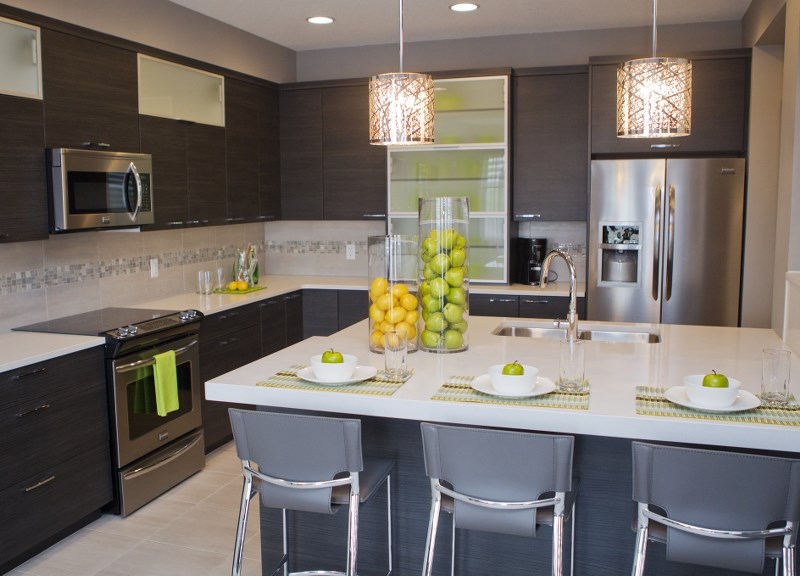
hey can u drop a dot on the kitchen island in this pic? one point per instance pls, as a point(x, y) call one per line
point(604, 430)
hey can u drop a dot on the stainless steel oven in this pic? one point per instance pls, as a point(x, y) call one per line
point(150, 453)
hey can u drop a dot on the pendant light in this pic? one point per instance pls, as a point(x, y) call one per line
point(401, 105)
point(654, 96)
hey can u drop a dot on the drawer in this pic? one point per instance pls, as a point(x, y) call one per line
point(493, 305)
point(230, 351)
point(43, 504)
point(51, 412)
point(222, 323)
point(549, 307)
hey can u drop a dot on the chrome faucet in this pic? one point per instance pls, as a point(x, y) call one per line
point(572, 315)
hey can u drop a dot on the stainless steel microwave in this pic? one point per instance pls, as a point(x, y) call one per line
point(96, 189)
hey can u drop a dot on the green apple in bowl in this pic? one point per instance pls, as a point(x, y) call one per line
point(513, 369)
point(516, 383)
point(715, 380)
point(332, 357)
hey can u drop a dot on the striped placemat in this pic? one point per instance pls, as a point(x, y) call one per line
point(650, 401)
point(458, 389)
point(378, 385)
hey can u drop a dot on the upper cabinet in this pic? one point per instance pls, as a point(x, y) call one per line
point(720, 89)
point(252, 149)
point(329, 170)
point(90, 97)
point(171, 90)
point(550, 144)
point(470, 158)
point(20, 57)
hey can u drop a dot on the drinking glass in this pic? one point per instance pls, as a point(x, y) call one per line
point(395, 351)
point(204, 282)
point(775, 367)
point(571, 366)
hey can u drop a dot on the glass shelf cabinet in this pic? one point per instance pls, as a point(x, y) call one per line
point(469, 159)
point(20, 58)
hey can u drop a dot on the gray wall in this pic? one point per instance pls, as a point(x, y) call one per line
point(517, 51)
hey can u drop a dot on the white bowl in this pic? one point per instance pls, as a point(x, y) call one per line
point(334, 371)
point(513, 384)
point(709, 397)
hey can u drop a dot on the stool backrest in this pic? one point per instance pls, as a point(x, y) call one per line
point(497, 465)
point(298, 448)
point(718, 490)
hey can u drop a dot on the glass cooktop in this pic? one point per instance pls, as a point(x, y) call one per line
point(95, 322)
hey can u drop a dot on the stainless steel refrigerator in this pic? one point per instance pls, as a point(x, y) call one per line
point(665, 240)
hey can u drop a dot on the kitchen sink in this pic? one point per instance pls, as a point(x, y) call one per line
point(557, 330)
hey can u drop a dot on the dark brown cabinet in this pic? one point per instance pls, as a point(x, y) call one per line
point(190, 162)
point(281, 322)
point(550, 116)
point(228, 340)
point(54, 452)
point(328, 311)
point(90, 93)
point(720, 102)
point(23, 189)
point(524, 306)
point(252, 152)
point(329, 170)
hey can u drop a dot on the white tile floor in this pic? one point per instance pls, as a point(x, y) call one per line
point(188, 531)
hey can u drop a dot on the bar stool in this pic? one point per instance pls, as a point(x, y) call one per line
point(713, 508)
point(499, 481)
point(306, 463)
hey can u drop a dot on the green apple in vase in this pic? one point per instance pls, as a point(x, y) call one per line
point(513, 369)
point(332, 357)
point(715, 380)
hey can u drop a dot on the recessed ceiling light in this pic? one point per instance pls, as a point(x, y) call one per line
point(464, 7)
point(320, 20)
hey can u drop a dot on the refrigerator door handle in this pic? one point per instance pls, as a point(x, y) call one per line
point(670, 242)
point(656, 242)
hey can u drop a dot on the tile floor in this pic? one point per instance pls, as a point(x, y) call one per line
point(188, 531)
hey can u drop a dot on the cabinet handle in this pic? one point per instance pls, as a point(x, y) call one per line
point(236, 219)
point(665, 146)
point(292, 296)
point(31, 373)
point(493, 300)
point(98, 144)
point(39, 484)
point(229, 315)
point(527, 301)
point(233, 340)
point(175, 223)
point(374, 216)
point(526, 216)
point(33, 411)
point(266, 217)
point(5, 236)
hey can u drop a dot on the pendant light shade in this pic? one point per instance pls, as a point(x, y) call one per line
point(401, 105)
point(654, 96)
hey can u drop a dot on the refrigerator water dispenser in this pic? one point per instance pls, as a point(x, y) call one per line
point(619, 253)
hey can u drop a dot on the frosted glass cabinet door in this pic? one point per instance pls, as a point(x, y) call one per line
point(20, 54)
point(170, 90)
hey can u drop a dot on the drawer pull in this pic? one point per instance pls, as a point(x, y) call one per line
point(526, 301)
point(40, 483)
point(493, 300)
point(33, 411)
point(31, 373)
point(228, 342)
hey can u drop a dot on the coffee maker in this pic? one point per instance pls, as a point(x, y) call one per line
point(531, 252)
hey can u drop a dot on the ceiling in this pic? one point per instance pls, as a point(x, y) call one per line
point(365, 22)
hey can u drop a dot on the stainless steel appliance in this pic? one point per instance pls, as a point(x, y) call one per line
point(151, 453)
point(96, 189)
point(665, 240)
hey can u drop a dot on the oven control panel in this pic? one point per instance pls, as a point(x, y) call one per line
point(155, 325)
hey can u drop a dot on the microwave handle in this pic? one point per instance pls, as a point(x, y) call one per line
point(135, 212)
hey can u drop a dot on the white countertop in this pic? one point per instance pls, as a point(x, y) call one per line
point(24, 348)
point(613, 370)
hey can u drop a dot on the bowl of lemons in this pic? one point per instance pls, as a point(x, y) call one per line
point(513, 378)
point(711, 390)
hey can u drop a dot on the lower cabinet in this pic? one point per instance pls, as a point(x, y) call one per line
point(281, 322)
point(54, 452)
point(228, 340)
point(328, 311)
point(533, 306)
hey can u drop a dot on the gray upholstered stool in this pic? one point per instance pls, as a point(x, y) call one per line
point(306, 463)
point(499, 481)
point(713, 508)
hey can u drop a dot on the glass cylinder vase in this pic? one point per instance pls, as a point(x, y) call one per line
point(444, 274)
point(393, 303)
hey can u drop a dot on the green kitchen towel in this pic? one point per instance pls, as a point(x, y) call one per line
point(166, 382)
point(144, 397)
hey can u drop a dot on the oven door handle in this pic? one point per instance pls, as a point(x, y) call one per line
point(122, 368)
